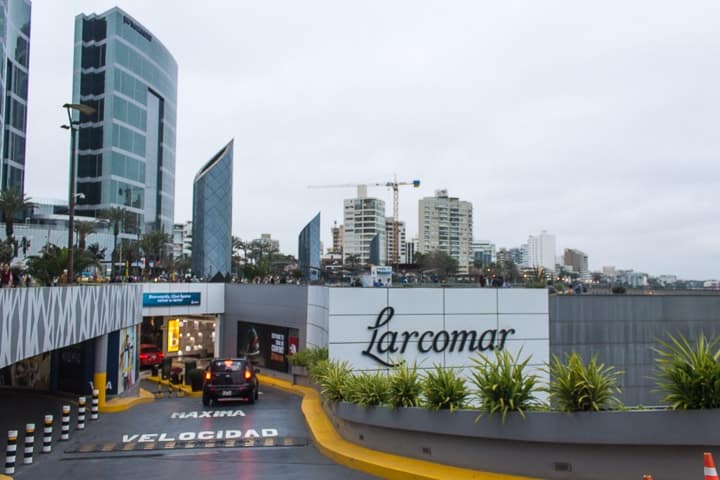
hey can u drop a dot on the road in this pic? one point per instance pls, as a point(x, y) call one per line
point(178, 438)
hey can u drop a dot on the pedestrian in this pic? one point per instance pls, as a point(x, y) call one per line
point(6, 276)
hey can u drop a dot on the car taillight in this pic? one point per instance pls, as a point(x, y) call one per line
point(248, 374)
point(208, 376)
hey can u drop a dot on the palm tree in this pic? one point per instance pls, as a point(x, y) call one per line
point(154, 245)
point(117, 216)
point(12, 203)
point(84, 229)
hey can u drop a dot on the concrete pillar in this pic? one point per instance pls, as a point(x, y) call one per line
point(100, 377)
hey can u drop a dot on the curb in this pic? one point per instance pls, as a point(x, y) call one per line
point(374, 462)
point(121, 404)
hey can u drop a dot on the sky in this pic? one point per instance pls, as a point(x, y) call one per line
point(594, 121)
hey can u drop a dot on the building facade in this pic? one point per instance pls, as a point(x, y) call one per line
point(212, 216)
point(338, 232)
point(364, 219)
point(402, 254)
point(483, 252)
point(126, 150)
point(541, 251)
point(310, 249)
point(14, 58)
point(182, 240)
point(445, 224)
point(578, 261)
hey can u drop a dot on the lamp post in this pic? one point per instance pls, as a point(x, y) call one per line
point(72, 126)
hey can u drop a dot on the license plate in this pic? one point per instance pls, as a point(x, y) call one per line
point(227, 393)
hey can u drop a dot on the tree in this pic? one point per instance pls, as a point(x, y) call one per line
point(154, 247)
point(84, 229)
point(117, 217)
point(353, 259)
point(52, 261)
point(437, 262)
point(12, 203)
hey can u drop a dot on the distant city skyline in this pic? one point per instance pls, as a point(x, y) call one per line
point(563, 117)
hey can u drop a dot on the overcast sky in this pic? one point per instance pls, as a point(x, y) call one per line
point(596, 121)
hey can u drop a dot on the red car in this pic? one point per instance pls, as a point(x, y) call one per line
point(150, 355)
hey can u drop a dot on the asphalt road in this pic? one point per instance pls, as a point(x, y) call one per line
point(178, 438)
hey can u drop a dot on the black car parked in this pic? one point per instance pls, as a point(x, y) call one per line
point(230, 379)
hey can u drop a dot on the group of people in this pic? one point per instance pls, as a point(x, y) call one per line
point(9, 278)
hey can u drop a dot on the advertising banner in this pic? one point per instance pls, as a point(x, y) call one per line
point(171, 299)
point(173, 335)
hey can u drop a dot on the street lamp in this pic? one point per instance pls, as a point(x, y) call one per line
point(72, 126)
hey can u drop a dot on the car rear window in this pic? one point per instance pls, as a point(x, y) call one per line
point(228, 365)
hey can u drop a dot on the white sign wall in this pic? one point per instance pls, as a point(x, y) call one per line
point(372, 328)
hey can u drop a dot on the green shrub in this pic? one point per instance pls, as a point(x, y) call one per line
point(318, 369)
point(576, 387)
point(368, 389)
point(689, 375)
point(502, 384)
point(405, 387)
point(333, 381)
point(443, 389)
point(308, 357)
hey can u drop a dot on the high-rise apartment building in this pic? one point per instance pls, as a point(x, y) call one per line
point(14, 61)
point(541, 251)
point(402, 257)
point(338, 232)
point(364, 218)
point(578, 261)
point(126, 150)
point(182, 240)
point(310, 249)
point(483, 252)
point(212, 216)
point(445, 224)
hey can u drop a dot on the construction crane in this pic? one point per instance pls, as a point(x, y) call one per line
point(395, 187)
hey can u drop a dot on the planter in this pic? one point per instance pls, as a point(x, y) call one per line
point(591, 445)
point(300, 375)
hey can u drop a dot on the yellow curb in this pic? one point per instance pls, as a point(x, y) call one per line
point(187, 390)
point(121, 404)
point(381, 464)
point(5, 477)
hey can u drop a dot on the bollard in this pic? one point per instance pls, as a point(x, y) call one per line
point(81, 413)
point(94, 406)
point(11, 452)
point(29, 443)
point(65, 428)
point(47, 434)
point(159, 393)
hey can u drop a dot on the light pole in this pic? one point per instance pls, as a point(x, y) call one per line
point(72, 126)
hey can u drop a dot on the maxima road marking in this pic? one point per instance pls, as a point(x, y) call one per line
point(204, 435)
point(207, 414)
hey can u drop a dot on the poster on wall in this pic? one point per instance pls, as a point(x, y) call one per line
point(33, 372)
point(127, 355)
point(173, 335)
point(265, 345)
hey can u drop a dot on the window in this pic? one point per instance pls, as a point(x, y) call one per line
point(94, 30)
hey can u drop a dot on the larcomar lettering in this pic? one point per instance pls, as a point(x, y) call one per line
point(393, 341)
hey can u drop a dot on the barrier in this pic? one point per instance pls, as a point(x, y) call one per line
point(47, 434)
point(94, 405)
point(81, 413)
point(29, 443)
point(10, 452)
point(65, 426)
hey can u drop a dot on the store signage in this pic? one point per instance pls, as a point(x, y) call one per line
point(392, 341)
point(173, 299)
point(137, 28)
point(173, 335)
point(203, 435)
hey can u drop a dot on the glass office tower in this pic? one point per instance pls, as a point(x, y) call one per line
point(212, 216)
point(126, 150)
point(15, 45)
point(309, 249)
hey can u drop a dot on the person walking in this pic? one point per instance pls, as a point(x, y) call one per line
point(6, 276)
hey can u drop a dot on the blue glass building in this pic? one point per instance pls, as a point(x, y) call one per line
point(309, 249)
point(126, 150)
point(14, 57)
point(212, 216)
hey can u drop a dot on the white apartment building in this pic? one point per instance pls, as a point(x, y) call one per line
point(483, 252)
point(182, 240)
point(402, 256)
point(445, 224)
point(363, 219)
point(541, 251)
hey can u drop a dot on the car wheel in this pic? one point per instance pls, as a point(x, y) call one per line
point(251, 398)
point(206, 401)
point(257, 394)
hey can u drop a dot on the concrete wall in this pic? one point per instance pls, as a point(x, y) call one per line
point(585, 446)
point(37, 320)
point(281, 305)
point(622, 331)
point(317, 317)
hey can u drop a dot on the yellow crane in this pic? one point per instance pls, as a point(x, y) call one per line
point(395, 186)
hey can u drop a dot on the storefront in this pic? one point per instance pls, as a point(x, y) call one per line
point(267, 346)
